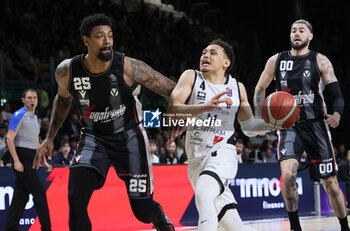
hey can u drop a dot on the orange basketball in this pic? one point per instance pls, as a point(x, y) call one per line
point(280, 110)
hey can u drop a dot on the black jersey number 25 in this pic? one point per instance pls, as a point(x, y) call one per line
point(81, 83)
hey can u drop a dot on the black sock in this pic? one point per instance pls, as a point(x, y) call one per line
point(294, 221)
point(344, 223)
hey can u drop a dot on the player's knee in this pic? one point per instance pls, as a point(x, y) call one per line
point(332, 188)
point(289, 179)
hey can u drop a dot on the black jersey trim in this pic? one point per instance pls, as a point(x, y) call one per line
point(132, 87)
point(227, 78)
point(235, 123)
point(96, 75)
point(225, 208)
point(299, 56)
point(70, 75)
point(275, 70)
point(216, 177)
point(194, 82)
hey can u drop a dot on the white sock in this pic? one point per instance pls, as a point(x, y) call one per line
point(207, 190)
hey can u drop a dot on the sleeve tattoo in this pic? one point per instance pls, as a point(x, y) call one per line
point(327, 67)
point(259, 98)
point(144, 74)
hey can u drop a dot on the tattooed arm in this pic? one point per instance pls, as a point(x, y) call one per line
point(326, 68)
point(60, 109)
point(265, 79)
point(136, 71)
point(332, 87)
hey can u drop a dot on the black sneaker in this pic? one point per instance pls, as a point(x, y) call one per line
point(164, 224)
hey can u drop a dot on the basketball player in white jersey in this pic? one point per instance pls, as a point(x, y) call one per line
point(212, 159)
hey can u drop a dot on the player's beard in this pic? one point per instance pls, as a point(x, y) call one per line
point(105, 56)
point(300, 46)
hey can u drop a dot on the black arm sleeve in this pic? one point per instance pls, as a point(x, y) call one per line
point(333, 90)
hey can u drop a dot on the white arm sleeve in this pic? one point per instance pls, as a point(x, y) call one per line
point(253, 126)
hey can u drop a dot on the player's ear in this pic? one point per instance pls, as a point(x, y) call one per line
point(227, 63)
point(85, 40)
point(311, 36)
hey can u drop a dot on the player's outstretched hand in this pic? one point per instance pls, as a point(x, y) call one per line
point(45, 148)
point(332, 120)
point(216, 101)
point(175, 132)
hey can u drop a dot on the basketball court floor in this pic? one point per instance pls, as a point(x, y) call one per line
point(313, 223)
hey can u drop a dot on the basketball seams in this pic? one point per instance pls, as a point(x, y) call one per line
point(272, 113)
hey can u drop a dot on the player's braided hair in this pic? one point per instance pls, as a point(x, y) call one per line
point(228, 51)
point(91, 21)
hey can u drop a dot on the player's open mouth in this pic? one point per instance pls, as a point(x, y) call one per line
point(205, 63)
point(105, 49)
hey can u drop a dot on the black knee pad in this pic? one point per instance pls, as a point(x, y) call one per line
point(144, 209)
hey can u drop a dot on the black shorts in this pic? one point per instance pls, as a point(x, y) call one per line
point(314, 138)
point(129, 153)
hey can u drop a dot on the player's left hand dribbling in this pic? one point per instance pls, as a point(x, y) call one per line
point(332, 120)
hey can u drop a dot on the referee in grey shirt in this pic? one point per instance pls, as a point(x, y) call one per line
point(23, 141)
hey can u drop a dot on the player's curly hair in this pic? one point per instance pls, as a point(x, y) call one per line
point(91, 21)
point(228, 51)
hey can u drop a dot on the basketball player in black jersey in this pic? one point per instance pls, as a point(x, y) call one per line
point(306, 74)
point(104, 83)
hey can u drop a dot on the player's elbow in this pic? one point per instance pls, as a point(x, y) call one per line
point(249, 133)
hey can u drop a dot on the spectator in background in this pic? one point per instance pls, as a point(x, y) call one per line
point(344, 175)
point(6, 114)
point(169, 157)
point(5, 124)
point(64, 155)
point(43, 97)
point(73, 144)
point(342, 152)
point(3, 146)
point(246, 156)
point(180, 151)
point(239, 149)
point(154, 151)
point(72, 126)
point(270, 156)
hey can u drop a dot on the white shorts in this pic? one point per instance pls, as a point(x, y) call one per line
point(224, 164)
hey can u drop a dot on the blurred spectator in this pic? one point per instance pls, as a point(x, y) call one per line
point(47, 114)
point(344, 175)
point(72, 126)
point(73, 144)
point(154, 151)
point(169, 157)
point(239, 149)
point(64, 155)
point(5, 124)
point(246, 156)
point(180, 151)
point(43, 97)
point(6, 114)
point(270, 156)
point(342, 152)
point(3, 146)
